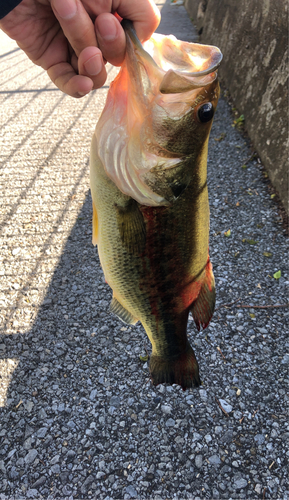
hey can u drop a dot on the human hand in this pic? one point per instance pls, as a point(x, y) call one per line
point(72, 39)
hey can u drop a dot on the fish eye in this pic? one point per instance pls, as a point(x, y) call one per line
point(206, 112)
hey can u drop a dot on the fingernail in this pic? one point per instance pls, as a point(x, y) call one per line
point(65, 8)
point(107, 31)
point(93, 66)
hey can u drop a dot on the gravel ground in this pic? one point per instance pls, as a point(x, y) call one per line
point(79, 416)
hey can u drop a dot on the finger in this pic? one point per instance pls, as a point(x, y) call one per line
point(74, 63)
point(110, 38)
point(65, 79)
point(79, 31)
point(75, 23)
point(90, 62)
point(144, 14)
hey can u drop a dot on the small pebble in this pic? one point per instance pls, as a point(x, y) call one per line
point(226, 406)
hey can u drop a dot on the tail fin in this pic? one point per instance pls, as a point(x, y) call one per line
point(182, 370)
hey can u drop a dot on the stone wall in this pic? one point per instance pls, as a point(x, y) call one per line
point(253, 36)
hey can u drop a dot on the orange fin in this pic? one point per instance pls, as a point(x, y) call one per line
point(94, 225)
point(182, 370)
point(203, 307)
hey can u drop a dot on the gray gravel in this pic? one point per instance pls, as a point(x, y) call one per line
point(79, 416)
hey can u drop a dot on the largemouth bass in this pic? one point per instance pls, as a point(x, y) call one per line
point(150, 199)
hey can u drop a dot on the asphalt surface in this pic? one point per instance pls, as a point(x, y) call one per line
point(79, 417)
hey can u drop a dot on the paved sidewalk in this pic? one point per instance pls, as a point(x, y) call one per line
point(79, 417)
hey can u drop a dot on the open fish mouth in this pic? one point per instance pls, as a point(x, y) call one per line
point(160, 85)
point(182, 64)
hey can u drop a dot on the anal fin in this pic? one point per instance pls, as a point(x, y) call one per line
point(123, 314)
point(203, 307)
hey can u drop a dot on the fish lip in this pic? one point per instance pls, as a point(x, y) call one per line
point(131, 32)
point(207, 71)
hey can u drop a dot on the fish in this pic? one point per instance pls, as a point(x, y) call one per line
point(148, 177)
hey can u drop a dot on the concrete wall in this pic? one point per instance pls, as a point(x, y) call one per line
point(253, 36)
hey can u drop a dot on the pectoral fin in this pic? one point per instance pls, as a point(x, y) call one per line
point(131, 227)
point(122, 313)
point(94, 225)
point(203, 307)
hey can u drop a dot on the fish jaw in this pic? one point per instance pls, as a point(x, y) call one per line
point(186, 65)
point(150, 121)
